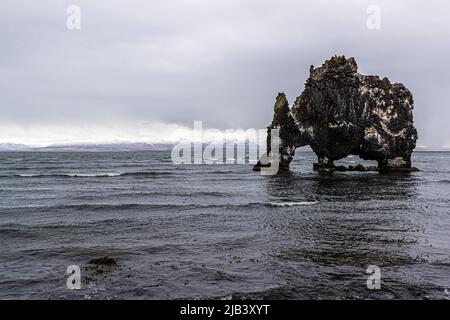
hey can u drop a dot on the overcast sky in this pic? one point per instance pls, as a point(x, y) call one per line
point(145, 70)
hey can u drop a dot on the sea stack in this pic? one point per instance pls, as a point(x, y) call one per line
point(341, 113)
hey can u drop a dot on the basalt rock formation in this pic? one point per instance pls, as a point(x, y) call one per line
point(341, 113)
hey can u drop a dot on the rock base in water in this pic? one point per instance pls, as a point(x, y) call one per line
point(360, 168)
point(258, 166)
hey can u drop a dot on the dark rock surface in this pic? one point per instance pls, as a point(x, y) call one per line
point(341, 113)
point(98, 269)
point(103, 261)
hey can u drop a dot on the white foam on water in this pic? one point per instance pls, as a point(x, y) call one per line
point(94, 174)
point(72, 175)
point(291, 204)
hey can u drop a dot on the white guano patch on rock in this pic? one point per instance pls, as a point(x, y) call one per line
point(371, 133)
point(340, 125)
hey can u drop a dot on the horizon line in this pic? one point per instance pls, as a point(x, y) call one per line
point(21, 147)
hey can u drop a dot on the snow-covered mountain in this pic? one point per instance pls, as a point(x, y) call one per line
point(107, 147)
point(13, 147)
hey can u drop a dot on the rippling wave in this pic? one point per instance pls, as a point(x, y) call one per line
point(188, 232)
point(85, 175)
point(292, 204)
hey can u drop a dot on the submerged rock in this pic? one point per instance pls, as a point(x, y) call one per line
point(103, 261)
point(99, 268)
point(341, 113)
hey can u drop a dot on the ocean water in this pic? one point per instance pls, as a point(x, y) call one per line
point(220, 231)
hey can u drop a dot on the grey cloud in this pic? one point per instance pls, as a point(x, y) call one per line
point(222, 62)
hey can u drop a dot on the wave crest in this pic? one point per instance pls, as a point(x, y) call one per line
point(86, 175)
point(292, 204)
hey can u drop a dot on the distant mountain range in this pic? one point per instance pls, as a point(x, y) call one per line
point(13, 147)
point(106, 147)
point(117, 147)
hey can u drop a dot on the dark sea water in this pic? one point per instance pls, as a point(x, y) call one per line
point(220, 231)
